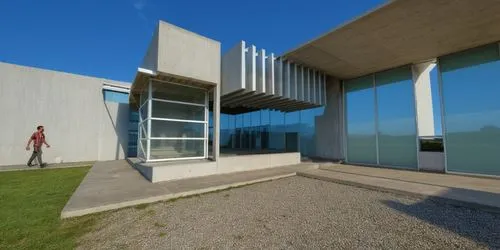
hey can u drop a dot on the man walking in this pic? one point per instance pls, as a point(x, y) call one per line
point(38, 139)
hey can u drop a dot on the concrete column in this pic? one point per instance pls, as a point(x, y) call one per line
point(423, 98)
point(216, 123)
point(329, 127)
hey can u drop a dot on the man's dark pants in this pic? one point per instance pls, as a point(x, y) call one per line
point(37, 152)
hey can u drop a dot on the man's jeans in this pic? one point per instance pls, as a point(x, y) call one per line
point(37, 152)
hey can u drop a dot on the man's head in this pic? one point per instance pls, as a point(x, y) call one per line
point(39, 128)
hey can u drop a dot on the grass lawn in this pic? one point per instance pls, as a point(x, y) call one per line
point(30, 206)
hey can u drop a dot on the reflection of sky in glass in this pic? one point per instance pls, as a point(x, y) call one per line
point(471, 87)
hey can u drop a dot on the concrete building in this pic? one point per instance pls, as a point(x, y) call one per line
point(360, 93)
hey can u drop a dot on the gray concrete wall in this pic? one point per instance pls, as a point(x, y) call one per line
point(186, 54)
point(113, 131)
point(233, 69)
point(71, 107)
point(150, 60)
point(329, 126)
point(431, 161)
point(156, 172)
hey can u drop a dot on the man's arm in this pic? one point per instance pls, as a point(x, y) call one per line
point(29, 143)
point(46, 144)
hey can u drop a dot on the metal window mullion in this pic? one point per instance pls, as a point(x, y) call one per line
point(179, 84)
point(344, 126)
point(376, 120)
point(142, 106)
point(206, 134)
point(150, 112)
point(443, 115)
point(178, 120)
point(179, 138)
point(179, 102)
point(415, 76)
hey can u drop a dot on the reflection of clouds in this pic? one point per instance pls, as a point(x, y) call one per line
point(472, 121)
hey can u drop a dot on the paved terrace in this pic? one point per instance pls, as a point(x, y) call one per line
point(115, 184)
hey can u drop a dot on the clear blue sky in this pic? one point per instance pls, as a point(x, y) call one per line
point(108, 38)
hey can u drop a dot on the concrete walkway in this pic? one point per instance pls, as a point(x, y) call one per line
point(115, 184)
point(49, 166)
point(483, 193)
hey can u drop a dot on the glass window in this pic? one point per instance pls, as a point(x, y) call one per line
point(397, 130)
point(360, 120)
point(113, 96)
point(177, 129)
point(174, 92)
point(470, 84)
point(168, 149)
point(178, 111)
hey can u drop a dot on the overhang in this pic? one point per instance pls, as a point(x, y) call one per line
point(401, 32)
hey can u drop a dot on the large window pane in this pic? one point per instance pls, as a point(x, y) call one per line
point(168, 149)
point(397, 131)
point(161, 128)
point(360, 120)
point(470, 91)
point(178, 111)
point(174, 92)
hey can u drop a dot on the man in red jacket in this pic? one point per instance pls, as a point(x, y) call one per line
point(38, 139)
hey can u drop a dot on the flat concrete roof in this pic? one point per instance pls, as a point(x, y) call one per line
point(401, 32)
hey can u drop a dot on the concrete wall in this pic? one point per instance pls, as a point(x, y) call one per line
point(71, 107)
point(186, 54)
point(431, 161)
point(156, 172)
point(150, 61)
point(233, 69)
point(329, 126)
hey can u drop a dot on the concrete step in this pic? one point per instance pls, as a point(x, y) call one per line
point(488, 201)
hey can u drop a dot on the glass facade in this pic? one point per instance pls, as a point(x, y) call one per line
point(360, 123)
point(380, 119)
point(470, 87)
point(176, 127)
point(269, 131)
point(396, 124)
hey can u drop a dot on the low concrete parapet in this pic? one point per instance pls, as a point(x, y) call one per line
point(167, 171)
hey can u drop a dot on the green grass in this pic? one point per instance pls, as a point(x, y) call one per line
point(31, 203)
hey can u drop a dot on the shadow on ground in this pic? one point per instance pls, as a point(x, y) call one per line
point(476, 224)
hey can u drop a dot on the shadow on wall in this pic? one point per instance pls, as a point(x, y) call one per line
point(120, 122)
point(478, 225)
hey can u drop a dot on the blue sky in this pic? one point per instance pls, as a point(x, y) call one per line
point(108, 38)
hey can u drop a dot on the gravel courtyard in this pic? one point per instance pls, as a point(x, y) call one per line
point(296, 213)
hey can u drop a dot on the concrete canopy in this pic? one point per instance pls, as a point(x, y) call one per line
point(180, 56)
point(401, 32)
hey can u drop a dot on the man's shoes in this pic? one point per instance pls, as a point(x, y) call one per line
point(29, 165)
point(43, 165)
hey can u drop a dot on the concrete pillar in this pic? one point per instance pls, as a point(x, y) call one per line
point(216, 123)
point(423, 98)
point(329, 127)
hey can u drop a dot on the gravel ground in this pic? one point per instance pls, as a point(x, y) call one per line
point(296, 213)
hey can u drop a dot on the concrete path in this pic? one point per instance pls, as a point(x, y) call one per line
point(115, 184)
point(49, 166)
point(483, 193)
